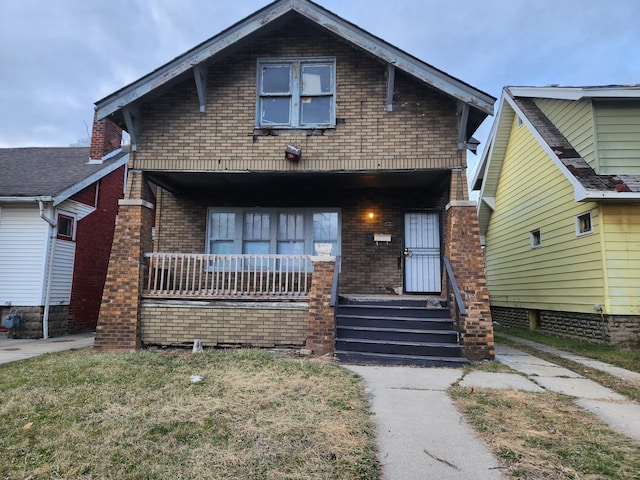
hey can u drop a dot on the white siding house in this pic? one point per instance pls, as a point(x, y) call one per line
point(44, 193)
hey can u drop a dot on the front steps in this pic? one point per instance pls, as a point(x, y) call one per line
point(396, 332)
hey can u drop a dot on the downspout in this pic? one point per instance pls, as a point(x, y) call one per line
point(50, 251)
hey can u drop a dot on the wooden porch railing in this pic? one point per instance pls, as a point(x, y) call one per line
point(203, 276)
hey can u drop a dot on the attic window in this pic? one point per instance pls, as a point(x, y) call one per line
point(583, 224)
point(535, 238)
point(296, 93)
point(65, 227)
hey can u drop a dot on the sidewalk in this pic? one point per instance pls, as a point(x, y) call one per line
point(12, 350)
point(422, 435)
point(621, 373)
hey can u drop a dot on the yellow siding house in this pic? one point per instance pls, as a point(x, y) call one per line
point(559, 211)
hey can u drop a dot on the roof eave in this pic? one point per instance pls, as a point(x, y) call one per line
point(25, 199)
point(577, 93)
point(600, 195)
point(437, 79)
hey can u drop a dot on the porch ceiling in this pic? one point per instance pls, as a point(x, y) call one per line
point(187, 183)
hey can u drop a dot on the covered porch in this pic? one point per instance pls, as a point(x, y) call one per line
point(189, 286)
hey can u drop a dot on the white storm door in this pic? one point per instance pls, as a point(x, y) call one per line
point(422, 265)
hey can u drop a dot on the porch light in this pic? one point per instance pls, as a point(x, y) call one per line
point(371, 215)
point(292, 153)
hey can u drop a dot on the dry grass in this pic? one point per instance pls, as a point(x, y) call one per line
point(544, 435)
point(254, 415)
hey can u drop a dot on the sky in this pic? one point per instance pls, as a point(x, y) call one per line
point(57, 58)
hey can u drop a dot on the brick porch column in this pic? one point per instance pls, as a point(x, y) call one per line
point(464, 251)
point(320, 322)
point(119, 320)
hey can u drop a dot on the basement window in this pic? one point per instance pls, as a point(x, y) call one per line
point(583, 224)
point(535, 238)
point(296, 93)
point(65, 227)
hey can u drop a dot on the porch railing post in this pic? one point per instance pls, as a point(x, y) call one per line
point(320, 323)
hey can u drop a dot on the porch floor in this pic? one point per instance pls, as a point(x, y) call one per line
point(428, 300)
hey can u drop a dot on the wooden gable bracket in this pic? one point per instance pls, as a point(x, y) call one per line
point(131, 115)
point(463, 118)
point(391, 78)
point(200, 75)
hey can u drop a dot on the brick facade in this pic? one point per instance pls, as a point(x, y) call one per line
point(420, 132)
point(463, 249)
point(224, 324)
point(418, 136)
point(366, 268)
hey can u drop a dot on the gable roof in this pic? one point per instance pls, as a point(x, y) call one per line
point(192, 62)
point(51, 174)
point(587, 184)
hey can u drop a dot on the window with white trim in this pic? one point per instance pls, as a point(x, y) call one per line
point(583, 224)
point(296, 93)
point(287, 231)
point(65, 227)
point(535, 237)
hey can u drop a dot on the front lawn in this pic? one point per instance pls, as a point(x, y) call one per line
point(254, 415)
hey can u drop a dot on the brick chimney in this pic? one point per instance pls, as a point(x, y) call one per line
point(105, 138)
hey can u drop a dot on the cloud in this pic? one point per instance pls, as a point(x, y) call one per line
point(58, 58)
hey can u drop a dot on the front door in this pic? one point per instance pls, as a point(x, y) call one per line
point(422, 271)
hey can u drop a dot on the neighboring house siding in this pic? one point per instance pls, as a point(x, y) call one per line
point(566, 272)
point(62, 272)
point(574, 119)
point(618, 137)
point(420, 132)
point(23, 240)
point(621, 227)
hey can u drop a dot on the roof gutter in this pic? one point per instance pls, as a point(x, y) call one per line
point(30, 199)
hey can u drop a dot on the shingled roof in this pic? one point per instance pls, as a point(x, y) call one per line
point(54, 172)
point(570, 158)
point(586, 182)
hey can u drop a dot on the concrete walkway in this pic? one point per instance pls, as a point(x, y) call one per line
point(12, 350)
point(422, 436)
point(615, 410)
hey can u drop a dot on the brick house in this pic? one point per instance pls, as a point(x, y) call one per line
point(57, 218)
point(290, 132)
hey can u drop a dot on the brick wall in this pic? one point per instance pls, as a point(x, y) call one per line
point(106, 137)
point(593, 328)
point(420, 132)
point(93, 246)
point(463, 249)
point(321, 320)
point(224, 323)
point(119, 320)
point(511, 317)
point(181, 225)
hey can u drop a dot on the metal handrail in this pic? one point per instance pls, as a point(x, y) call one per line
point(452, 285)
point(334, 284)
